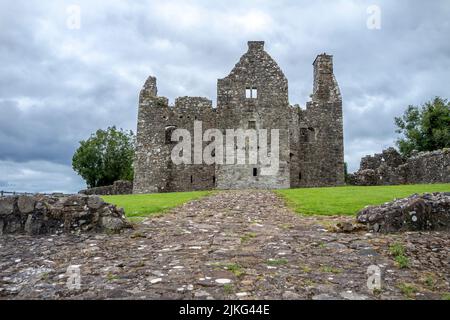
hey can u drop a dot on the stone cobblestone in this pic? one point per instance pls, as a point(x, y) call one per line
point(230, 245)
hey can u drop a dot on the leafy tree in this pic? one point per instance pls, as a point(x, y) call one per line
point(345, 172)
point(424, 128)
point(105, 157)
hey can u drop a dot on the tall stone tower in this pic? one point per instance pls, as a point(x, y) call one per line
point(152, 157)
point(322, 144)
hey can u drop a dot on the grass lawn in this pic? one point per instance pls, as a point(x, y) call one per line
point(348, 200)
point(139, 206)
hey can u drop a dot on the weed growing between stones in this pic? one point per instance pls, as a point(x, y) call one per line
point(397, 250)
point(236, 269)
point(246, 237)
point(329, 269)
point(409, 290)
point(276, 262)
point(228, 289)
point(111, 277)
point(306, 269)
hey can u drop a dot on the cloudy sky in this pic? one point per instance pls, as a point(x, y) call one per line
point(58, 83)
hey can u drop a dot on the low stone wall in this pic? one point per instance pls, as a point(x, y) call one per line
point(42, 214)
point(119, 187)
point(389, 168)
point(415, 213)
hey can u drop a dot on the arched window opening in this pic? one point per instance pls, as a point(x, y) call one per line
point(311, 134)
point(169, 131)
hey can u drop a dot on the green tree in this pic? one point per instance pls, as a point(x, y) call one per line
point(105, 157)
point(345, 172)
point(424, 128)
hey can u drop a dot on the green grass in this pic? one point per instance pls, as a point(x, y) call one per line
point(139, 206)
point(348, 200)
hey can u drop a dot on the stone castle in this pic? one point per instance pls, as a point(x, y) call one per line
point(253, 96)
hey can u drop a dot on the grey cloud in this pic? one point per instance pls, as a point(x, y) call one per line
point(38, 176)
point(58, 85)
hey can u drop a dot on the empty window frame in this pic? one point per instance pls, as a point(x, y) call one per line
point(252, 125)
point(251, 93)
point(303, 135)
point(307, 134)
point(169, 131)
point(255, 172)
point(311, 134)
point(248, 93)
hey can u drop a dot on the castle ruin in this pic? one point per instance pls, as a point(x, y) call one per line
point(253, 96)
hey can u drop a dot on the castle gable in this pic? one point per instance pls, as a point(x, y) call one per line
point(256, 77)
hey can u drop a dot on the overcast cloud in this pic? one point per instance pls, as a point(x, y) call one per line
point(58, 85)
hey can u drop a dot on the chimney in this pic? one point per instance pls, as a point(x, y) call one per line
point(255, 45)
point(150, 86)
point(323, 74)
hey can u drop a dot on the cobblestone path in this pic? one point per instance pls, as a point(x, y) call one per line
point(230, 245)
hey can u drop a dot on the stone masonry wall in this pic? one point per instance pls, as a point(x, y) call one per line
point(389, 168)
point(41, 214)
point(321, 136)
point(154, 170)
point(268, 110)
point(119, 187)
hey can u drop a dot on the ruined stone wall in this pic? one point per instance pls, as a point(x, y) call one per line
point(390, 168)
point(186, 111)
point(41, 214)
point(119, 187)
point(154, 170)
point(268, 110)
point(152, 153)
point(428, 167)
point(311, 140)
point(415, 213)
point(321, 135)
point(390, 157)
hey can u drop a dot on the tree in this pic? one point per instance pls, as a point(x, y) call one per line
point(424, 128)
point(105, 157)
point(345, 172)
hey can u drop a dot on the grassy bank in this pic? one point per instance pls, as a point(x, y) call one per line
point(348, 200)
point(138, 206)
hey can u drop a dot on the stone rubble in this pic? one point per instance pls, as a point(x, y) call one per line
point(43, 214)
point(415, 213)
